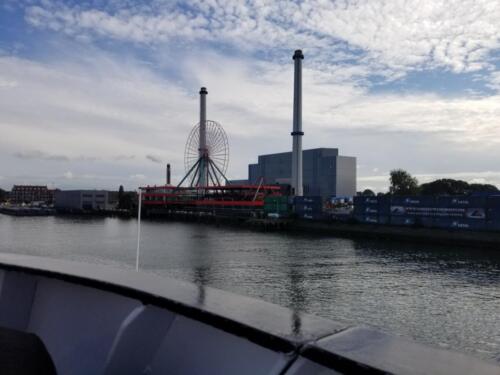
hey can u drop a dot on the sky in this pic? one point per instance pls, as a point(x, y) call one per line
point(97, 94)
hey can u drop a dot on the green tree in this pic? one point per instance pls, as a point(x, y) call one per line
point(402, 183)
point(121, 195)
point(488, 188)
point(368, 193)
point(445, 186)
point(448, 186)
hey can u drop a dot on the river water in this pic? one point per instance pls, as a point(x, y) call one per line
point(447, 297)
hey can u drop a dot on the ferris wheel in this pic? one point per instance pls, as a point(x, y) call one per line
point(208, 165)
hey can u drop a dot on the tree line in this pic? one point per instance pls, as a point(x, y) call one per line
point(3, 195)
point(403, 183)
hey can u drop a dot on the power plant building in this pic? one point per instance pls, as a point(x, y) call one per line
point(85, 200)
point(325, 172)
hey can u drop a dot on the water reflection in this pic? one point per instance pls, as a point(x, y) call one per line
point(476, 266)
point(448, 297)
point(297, 296)
point(201, 260)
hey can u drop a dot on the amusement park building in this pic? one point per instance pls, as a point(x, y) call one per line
point(325, 172)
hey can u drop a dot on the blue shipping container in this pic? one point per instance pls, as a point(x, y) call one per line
point(427, 222)
point(384, 207)
point(493, 201)
point(398, 211)
point(369, 204)
point(308, 200)
point(493, 214)
point(361, 200)
point(424, 200)
point(402, 220)
point(311, 216)
point(493, 225)
point(370, 219)
point(311, 204)
point(461, 201)
point(366, 210)
point(460, 224)
point(308, 209)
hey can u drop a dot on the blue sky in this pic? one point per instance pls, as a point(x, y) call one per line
point(96, 94)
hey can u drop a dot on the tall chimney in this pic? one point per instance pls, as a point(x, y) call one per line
point(203, 180)
point(297, 186)
point(168, 174)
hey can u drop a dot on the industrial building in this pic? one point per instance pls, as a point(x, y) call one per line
point(85, 200)
point(31, 193)
point(325, 173)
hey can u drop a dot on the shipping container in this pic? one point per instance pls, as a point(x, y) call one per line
point(493, 201)
point(475, 213)
point(398, 211)
point(306, 209)
point(275, 207)
point(461, 201)
point(372, 219)
point(308, 200)
point(384, 205)
point(316, 205)
point(311, 216)
point(370, 204)
point(366, 210)
point(493, 214)
point(426, 222)
point(493, 225)
point(422, 201)
point(276, 199)
point(362, 200)
point(460, 224)
point(430, 211)
point(384, 219)
point(402, 220)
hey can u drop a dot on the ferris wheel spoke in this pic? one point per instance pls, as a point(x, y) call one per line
point(218, 144)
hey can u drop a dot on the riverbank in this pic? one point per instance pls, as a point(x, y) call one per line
point(26, 211)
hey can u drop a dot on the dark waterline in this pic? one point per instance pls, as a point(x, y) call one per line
point(446, 297)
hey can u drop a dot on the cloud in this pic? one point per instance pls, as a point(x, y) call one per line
point(36, 154)
point(493, 81)
point(5, 83)
point(137, 176)
point(153, 158)
point(68, 175)
point(124, 157)
point(390, 37)
point(41, 155)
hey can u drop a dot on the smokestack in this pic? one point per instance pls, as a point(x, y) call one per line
point(297, 133)
point(203, 137)
point(168, 174)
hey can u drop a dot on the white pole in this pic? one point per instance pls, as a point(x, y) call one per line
point(138, 231)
